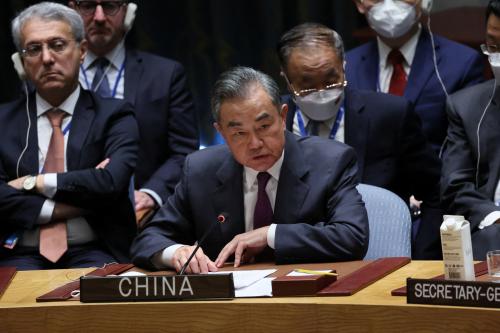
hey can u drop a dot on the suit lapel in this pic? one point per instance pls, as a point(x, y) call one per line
point(490, 137)
point(357, 125)
point(80, 128)
point(292, 190)
point(228, 197)
point(367, 71)
point(422, 67)
point(133, 73)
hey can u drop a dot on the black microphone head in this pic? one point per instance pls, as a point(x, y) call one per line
point(222, 217)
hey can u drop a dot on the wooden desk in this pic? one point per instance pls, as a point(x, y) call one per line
point(372, 309)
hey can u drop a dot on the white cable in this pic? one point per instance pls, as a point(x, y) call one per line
point(434, 56)
point(477, 133)
point(27, 132)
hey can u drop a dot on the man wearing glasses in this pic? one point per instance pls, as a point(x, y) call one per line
point(384, 131)
point(290, 197)
point(155, 86)
point(471, 159)
point(66, 156)
point(407, 60)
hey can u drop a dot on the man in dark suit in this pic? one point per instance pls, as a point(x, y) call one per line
point(383, 129)
point(400, 62)
point(471, 159)
point(155, 86)
point(294, 195)
point(66, 156)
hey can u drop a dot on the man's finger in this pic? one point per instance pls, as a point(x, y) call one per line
point(238, 253)
point(202, 262)
point(225, 253)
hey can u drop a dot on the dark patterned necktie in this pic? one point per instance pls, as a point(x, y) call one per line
point(263, 214)
point(100, 84)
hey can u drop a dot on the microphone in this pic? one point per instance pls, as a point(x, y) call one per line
point(221, 218)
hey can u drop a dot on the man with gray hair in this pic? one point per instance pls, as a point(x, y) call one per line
point(291, 197)
point(384, 131)
point(67, 155)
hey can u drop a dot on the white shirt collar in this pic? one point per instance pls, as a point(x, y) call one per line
point(116, 57)
point(407, 50)
point(274, 171)
point(67, 106)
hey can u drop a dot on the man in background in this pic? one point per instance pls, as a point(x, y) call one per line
point(383, 129)
point(155, 86)
point(400, 62)
point(66, 156)
point(471, 159)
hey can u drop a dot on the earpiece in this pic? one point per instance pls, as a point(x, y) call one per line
point(427, 6)
point(18, 65)
point(128, 21)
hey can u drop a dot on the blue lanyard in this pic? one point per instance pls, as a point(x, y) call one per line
point(65, 131)
point(117, 81)
point(335, 126)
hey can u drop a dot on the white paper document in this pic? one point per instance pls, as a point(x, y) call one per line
point(251, 283)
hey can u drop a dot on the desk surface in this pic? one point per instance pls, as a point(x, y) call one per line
point(371, 309)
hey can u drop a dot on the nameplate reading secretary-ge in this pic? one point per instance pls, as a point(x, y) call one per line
point(156, 288)
point(456, 293)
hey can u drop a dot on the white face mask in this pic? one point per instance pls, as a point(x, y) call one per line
point(494, 59)
point(321, 105)
point(392, 19)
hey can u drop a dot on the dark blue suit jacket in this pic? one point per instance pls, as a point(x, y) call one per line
point(318, 210)
point(458, 65)
point(156, 87)
point(461, 194)
point(100, 128)
point(393, 154)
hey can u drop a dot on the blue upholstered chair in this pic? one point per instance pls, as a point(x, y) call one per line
point(390, 223)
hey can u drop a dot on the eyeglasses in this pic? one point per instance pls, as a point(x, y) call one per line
point(490, 48)
point(56, 45)
point(305, 92)
point(111, 8)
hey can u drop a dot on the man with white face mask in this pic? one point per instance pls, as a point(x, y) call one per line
point(471, 159)
point(383, 129)
point(400, 62)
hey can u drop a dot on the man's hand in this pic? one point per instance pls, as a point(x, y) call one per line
point(244, 246)
point(17, 183)
point(103, 164)
point(199, 264)
point(143, 201)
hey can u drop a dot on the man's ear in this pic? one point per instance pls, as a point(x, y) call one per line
point(284, 111)
point(83, 50)
point(361, 6)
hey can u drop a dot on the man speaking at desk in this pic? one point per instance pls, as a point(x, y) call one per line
point(285, 195)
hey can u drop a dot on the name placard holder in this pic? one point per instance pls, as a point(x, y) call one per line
point(156, 288)
point(454, 293)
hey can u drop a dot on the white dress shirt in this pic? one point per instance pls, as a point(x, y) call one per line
point(78, 228)
point(385, 68)
point(324, 129)
point(116, 60)
point(250, 189)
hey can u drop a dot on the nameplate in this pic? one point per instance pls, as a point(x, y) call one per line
point(156, 288)
point(454, 293)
